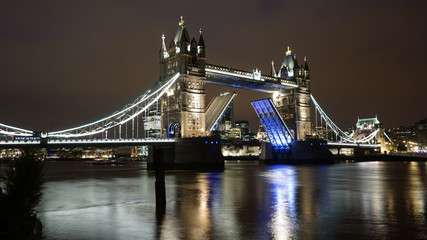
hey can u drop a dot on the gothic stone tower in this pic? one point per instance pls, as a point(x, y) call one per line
point(183, 108)
point(294, 103)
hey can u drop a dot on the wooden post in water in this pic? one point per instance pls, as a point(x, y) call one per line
point(159, 167)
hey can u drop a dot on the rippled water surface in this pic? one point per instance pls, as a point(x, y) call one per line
point(365, 200)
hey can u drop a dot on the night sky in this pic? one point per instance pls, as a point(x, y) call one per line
point(64, 63)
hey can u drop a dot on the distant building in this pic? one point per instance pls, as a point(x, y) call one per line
point(246, 135)
point(234, 134)
point(243, 125)
point(261, 134)
point(228, 119)
point(421, 132)
point(401, 136)
point(140, 151)
point(240, 132)
point(412, 138)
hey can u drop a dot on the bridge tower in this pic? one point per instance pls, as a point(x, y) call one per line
point(183, 108)
point(294, 103)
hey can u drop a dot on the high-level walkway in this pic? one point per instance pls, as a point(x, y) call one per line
point(254, 80)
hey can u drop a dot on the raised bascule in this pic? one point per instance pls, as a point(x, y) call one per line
point(174, 118)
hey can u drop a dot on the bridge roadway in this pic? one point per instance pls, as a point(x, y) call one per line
point(352, 145)
point(134, 142)
point(88, 142)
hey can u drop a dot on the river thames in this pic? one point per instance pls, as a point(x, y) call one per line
point(363, 200)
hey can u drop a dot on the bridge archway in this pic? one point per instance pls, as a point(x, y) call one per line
point(174, 129)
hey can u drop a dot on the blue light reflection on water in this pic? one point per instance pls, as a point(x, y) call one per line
point(283, 218)
point(247, 201)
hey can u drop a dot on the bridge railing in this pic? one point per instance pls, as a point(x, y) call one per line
point(113, 140)
point(19, 142)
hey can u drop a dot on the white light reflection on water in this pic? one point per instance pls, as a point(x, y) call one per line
point(97, 209)
point(373, 195)
point(416, 193)
point(193, 211)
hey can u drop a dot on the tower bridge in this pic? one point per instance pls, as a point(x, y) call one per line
point(175, 107)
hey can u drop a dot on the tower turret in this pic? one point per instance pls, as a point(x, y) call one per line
point(297, 70)
point(201, 45)
point(163, 55)
point(284, 73)
point(182, 39)
point(306, 69)
point(273, 70)
point(288, 62)
point(163, 51)
point(172, 48)
point(193, 47)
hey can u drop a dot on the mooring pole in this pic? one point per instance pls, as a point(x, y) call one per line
point(160, 180)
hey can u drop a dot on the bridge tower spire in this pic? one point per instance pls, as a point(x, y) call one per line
point(183, 108)
point(273, 70)
point(163, 52)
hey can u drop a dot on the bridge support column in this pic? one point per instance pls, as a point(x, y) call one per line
point(166, 154)
point(202, 153)
point(300, 152)
point(362, 154)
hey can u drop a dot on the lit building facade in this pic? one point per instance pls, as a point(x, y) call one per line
point(412, 138)
point(401, 135)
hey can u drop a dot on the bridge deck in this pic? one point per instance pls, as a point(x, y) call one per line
point(275, 127)
point(88, 142)
point(352, 145)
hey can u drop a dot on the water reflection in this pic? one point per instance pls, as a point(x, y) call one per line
point(247, 201)
point(284, 215)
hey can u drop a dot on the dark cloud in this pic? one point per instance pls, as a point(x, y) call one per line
point(63, 63)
